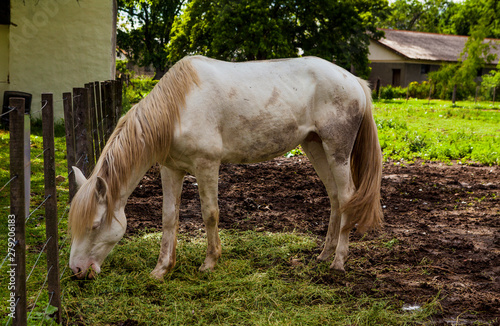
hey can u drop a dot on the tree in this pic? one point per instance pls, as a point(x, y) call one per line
point(422, 16)
point(264, 29)
point(145, 30)
point(472, 13)
point(475, 55)
point(492, 80)
point(444, 16)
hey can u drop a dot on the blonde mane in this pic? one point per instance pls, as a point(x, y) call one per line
point(142, 136)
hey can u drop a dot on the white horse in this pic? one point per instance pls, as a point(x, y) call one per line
point(205, 112)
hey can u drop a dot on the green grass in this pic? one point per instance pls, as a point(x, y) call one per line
point(35, 227)
point(439, 131)
point(254, 282)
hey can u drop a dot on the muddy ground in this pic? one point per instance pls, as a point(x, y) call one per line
point(441, 236)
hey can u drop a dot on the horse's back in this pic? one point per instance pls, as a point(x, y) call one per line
point(254, 111)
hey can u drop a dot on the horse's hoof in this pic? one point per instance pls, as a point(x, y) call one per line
point(337, 268)
point(206, 268)
point(208, 265)
point(158, 275)
point(322, 257)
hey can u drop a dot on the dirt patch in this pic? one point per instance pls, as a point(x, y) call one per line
point(441, 237)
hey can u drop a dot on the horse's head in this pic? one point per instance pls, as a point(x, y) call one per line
point(96, 225)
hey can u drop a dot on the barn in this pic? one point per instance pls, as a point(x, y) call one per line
point(402, 57)
point(52, 46)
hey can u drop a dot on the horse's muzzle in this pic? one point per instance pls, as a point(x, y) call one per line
point(90, 273)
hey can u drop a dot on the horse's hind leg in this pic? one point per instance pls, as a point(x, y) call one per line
point(207, 175)
point(316, 154)
point(338, 159)
point(172, 188)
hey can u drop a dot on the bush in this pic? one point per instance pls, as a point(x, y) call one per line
point(390, 92)
point(420, 91)
point(136, 90)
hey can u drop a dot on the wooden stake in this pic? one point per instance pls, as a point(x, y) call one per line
point(49, 169)
point(17, 264)
point(70, 141)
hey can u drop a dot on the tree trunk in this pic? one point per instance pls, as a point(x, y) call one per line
point(159, 72)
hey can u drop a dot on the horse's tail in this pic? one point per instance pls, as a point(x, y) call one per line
point(364, 208)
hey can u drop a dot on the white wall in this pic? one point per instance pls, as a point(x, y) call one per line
point(56, 45)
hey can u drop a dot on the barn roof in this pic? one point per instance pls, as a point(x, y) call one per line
point(429, 46)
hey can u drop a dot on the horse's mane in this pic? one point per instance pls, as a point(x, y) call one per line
point(142, 136)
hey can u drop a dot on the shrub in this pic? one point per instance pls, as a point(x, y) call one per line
point(390, 92)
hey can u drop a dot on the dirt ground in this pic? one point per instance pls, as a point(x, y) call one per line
point(441, 235)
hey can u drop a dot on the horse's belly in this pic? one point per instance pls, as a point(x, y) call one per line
point(259, 139)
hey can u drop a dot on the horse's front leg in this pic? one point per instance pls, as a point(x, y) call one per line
point(207, 175)
point(172, 188)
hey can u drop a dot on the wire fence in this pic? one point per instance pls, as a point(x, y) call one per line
point(90, 114)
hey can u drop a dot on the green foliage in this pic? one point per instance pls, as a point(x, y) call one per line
point(423, 16)
point(464, 73)
point(419, 90)
point(468, 14)
point(144, 30)
point(121, 67)
point(443, 16)
point(264, 29)
point(136, 90)
point(492, 79)
point(389, 92)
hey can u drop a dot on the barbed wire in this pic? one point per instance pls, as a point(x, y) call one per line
point(10, 318)
point(29, 216)
point(63, 272)
point(43, 106)
point(11, 108)
point(48, 304)
point(67, 209)
point(6, 256)
point(5, 185)
point(38, 258)
point(63, 242)
point(39, 292)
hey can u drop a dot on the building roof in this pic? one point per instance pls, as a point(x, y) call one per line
point(429, 46)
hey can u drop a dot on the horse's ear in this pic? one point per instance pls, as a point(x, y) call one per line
point(101, 189)
point(79, 177)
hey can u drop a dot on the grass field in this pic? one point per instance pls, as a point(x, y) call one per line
point(439, 131)
point(254, 283)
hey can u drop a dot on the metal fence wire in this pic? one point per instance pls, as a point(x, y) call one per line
point(85, 138)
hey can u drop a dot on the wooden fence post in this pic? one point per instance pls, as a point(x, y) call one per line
point(70, 141)
point(119, 94)
point(94, 139)
point(89, 125)
point(112, 99)
point(18, 207)
point(100, 121)
point(109, 111)
point(49, 170)
point(84, 152)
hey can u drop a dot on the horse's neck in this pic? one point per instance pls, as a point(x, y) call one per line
point(132, 182)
